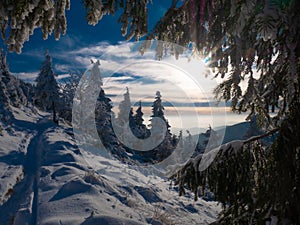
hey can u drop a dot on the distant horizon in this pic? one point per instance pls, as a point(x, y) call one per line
point(185, 118)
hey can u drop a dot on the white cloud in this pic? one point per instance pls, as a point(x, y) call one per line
point(122, 65)
point(27, 77)
point(178, 80)
point(62, 76)
point(61, 68)
point(30, 77)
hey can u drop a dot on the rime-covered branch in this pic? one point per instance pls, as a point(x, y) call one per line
point(256, 138)
point(19, 19)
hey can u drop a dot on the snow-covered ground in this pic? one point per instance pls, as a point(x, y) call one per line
point(45, 179)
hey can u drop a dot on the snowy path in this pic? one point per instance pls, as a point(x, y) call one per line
point(59, 187)
point(22, 205)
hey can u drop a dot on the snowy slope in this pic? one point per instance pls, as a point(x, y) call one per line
point(57, 186)
point(14, 140)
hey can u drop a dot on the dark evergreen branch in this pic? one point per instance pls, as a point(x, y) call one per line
point(255, 138)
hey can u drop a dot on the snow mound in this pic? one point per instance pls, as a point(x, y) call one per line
point(109, 220)
point(74, 187)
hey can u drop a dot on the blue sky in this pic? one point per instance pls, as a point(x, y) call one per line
point(79, 35)
point(84, 42)
point(181, 82)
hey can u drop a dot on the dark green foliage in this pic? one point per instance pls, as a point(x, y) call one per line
point(285, 172)
point(251, 181)
point(158, 110)
point(257, 42)
point(231, 177)
point(140, 129)
point(13, 92)
point(164, 149)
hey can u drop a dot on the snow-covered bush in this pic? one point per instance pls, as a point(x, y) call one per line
point(91, 177)
point(68, 88)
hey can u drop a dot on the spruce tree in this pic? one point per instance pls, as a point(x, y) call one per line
point(104, 116)
point(13, 87)
point(46, 91)
point(257, 42)
point(141, 128)
point(132, 124)
point(13, 92)
point(158, 110)
point(103, 113)
point(5, 115)
point(166, 147)
point(125, 113)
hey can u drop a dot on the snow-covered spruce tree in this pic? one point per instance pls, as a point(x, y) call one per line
point(125, 113)
point(13, 92)
point(132, 124)
point(103, 118)
point(158, 110)
point(141, 130)
point(46, 91)
point(164, 149)
point(4, 99)
point(19, 19)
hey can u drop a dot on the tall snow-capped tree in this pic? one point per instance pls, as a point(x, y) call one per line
point(103, 117)
point(13, 92)
point(125, 116)
point(165, 148)
point(158, 110)
point(125, 113)
point(5, 114)
point(140, 127)
point(103, 113)
point(46, 91)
